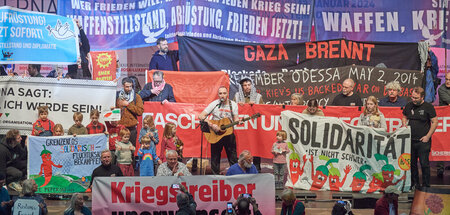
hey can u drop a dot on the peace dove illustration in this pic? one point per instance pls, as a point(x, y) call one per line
point(431, 39)
point(60, 32)
point(151, 36)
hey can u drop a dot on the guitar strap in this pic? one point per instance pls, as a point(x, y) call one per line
point(231, 109)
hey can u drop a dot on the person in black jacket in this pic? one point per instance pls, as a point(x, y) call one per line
point(163, 59)
point(85, 48)
point(13, 157)
point(185, 202)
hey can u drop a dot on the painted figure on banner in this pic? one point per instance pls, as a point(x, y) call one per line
point(388, 171)
point(223, 112)
point(295, 168)
point(372, 116)
point(47, 166)
point(157, 90)
point(322, 172)
point(247, 95)
point(393, 99)
point(421, 117)
point(164, 59)
point(359, 178)
point(348, 97)
point(335, 174)
point(375, 184)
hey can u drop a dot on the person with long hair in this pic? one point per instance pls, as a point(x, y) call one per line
point(77, 206)
point(29, 188)
point(313, 108)
point(169, 140)
point(372, 116)
point(296, 99)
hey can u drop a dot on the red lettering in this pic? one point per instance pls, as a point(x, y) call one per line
point(137, 191)
point(174, 193)
point(238, 190)
point(366, 88)
point(310, 50)
point(128, 192)
point(334, 47)
point(282, 53)
point(322, 48)
point(357, 51)
point(225, 191)
point(147, 194)
point(204, 193)
point(162, 195)
point(215, 191)
point(260, 53)
point(310, 90)
point(248, 57)
point(270, 54)
point(250, 188)
point(369, 50)
point(193, 189)
point(116, 192)
point(346, 49)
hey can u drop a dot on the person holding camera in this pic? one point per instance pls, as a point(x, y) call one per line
point(185, 201)
point(242, 206)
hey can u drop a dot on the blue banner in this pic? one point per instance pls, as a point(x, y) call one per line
point(64, 164)
point(110, 25)
point(383, 20)
point(38, 38)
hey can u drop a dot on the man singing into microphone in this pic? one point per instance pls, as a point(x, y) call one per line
point(219, 109)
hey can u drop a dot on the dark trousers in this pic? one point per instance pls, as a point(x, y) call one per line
point(133, 135)
point(227, 142)
point(421, 151)
point(257, 163)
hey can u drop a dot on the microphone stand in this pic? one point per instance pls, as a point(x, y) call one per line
point(204, 127)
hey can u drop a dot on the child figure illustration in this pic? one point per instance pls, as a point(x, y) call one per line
point(46, 166)
point(147, 157)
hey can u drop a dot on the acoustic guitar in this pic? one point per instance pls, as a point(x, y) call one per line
point(226, 128)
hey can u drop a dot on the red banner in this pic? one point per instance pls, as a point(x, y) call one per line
point(103, 65)
point(258, 135)
point(194, 87)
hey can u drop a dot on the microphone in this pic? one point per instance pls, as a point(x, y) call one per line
point(221, 102)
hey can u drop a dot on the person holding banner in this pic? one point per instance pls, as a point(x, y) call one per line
point(106, 169)
point(393, 99)
point(222, 109)
point(34, 70)
point(158, 90)
point(131, 106)
point(444, 100)
point(347, 97)
point(164, 59)
point(247, 95)
point(421, 116)
point(372, 116)
point(84, 48)
point(29, 192)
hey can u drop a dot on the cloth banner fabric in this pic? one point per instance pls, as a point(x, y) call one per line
point(258, 135)
point(37, 38)
point(431, 201)
point(341, 153)
point(20, 98)
point(104, 65)
point(64, 164)
point(155, 195)
point(193, 87)
point(383, 20)
point(265, 63)
point(440, 54)
point(110, 25)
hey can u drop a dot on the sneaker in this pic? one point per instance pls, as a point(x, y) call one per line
point(15, 186)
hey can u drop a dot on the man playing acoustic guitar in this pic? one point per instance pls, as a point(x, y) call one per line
point(223, 111)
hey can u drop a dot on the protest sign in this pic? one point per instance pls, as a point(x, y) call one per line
point(104, 65)
point(258, 135)
point(267, 63)
point(335, 147)
point(127, 195)
point(64, 164)
point(112, 25)
point(383, 20)
point(37, 38)
point(193, 87)
point(19, 98)
point(25, 206)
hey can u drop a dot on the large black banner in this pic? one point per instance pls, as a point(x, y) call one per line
point(309, 68)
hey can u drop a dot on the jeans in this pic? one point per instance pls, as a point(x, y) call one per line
point(227, 142)
point(278, 171)
point(421, 151)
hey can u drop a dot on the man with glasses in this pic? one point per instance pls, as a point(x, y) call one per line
point(347, 97)
point(421, 116)
point(158, 90)
point(393, 99)
point(244, 165)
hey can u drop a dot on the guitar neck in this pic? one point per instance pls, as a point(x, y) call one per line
point(234, 123)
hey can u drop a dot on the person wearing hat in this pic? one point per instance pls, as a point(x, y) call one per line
point(247, 95)
point(388, 204)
